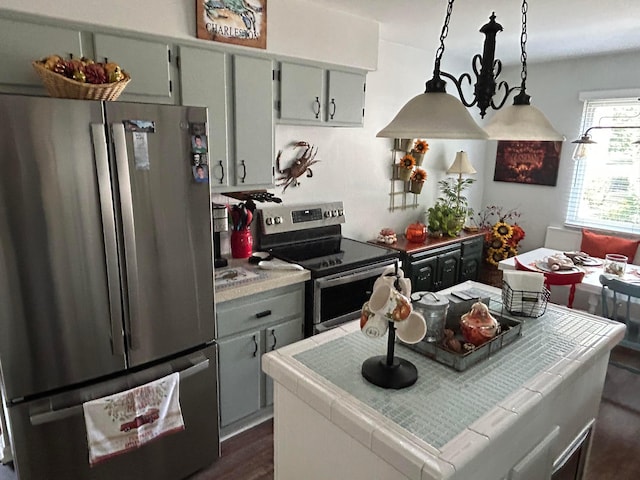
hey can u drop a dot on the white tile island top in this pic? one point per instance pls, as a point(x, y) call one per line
point(477, 424)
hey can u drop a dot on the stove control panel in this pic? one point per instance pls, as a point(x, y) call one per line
point(280, 218)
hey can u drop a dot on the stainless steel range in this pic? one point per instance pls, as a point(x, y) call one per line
point(342, 269)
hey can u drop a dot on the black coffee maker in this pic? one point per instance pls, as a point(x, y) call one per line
point(220, 224)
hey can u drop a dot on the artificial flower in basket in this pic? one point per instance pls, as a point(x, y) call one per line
point(420, 147)
point(81, 78)
point(405, 167)
point(418, 177)
point(503, 233)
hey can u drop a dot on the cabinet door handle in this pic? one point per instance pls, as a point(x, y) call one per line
point(221, 171)
point(333, 111)
point(266, 313)
point(244, 171)
point(255, 344)
point(317, 111)
point(275, 340)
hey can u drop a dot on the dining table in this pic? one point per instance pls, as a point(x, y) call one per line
point(591, 281)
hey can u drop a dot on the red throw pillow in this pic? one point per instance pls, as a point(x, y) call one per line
point(598, 245)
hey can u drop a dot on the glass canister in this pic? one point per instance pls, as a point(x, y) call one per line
point(433, 308)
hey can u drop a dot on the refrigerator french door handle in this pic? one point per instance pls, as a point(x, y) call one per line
point(126, 203)
point(64, 413)
point(99, 139)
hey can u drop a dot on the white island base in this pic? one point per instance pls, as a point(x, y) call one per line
point(512, 416)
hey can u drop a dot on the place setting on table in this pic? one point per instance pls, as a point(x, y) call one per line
point(572, 262)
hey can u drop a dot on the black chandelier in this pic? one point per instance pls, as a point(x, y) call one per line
point(437, 114)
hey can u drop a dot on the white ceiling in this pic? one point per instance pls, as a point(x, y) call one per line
point(556, 28)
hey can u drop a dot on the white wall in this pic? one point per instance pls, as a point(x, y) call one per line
point(356, 166)
point(554, 88)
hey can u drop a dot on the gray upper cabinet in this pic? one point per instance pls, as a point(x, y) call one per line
point(204, 81)
point(345, 101)
point(253, 121)
point(21, 43)
point(146, 61)
point(302, 93)
point(313, 95)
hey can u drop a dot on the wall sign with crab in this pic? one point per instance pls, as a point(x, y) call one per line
point(240, 22)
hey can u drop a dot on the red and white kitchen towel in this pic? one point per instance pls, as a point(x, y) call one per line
point(127, 420)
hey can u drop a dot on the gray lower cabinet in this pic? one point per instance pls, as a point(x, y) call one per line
point(313, 95)
point(247, 328)
point(276, 337)
point(239, 376)
point(22, 42)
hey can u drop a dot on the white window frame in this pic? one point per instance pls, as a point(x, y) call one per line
point(603, 161)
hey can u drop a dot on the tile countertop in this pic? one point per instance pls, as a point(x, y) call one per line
point(561, 347)
point(266, 280)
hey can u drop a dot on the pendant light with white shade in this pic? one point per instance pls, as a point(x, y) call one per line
point(435, 113)
point(522, 121)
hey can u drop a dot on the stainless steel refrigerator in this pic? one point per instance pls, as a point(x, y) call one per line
point(106, 280)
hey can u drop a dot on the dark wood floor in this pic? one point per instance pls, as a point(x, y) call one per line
point(615, 453)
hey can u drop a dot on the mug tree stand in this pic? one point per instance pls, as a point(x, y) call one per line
point(388, 372)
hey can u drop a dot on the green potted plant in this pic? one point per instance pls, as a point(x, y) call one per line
point(448, 215)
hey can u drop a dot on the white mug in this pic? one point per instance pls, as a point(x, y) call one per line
point(390, 279)
point(372, 325)
point(387, 302)
point(413, 329)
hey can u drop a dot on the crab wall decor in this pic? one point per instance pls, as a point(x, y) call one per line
point(290, 175)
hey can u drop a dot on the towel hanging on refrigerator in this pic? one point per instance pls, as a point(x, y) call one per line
point(127, 420)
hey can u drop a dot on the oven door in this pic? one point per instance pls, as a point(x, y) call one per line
point(338, 298)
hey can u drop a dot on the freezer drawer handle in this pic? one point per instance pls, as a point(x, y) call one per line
point(266, 313)
point(55, 415)
point(197, 368)
point(64, 413)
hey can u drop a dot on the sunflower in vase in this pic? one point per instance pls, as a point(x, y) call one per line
point(405, 167)
point(420, 147)
point(418, 177)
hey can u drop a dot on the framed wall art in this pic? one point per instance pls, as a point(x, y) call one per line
point(533, 162)
point(240, 22)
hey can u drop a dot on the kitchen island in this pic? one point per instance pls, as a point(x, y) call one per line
point(514, 415)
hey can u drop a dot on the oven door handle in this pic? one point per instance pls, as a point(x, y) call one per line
point(351, 277)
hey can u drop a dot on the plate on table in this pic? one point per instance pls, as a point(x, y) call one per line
point(591, 262)
point(544, 266)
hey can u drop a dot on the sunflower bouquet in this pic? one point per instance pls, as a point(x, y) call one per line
point(503, 233)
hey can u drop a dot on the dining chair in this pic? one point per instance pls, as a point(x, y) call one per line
point(623, 296)
point(550, 278)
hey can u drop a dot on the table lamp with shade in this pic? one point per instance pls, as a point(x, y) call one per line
point(462, 166)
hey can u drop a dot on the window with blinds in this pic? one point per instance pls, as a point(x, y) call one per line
point(605, 192)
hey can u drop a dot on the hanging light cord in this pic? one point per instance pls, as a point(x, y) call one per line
point(436, 84)
point(522, 98)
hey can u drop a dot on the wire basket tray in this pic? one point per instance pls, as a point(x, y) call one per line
point(522, 303)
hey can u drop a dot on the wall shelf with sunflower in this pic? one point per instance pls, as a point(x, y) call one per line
point(503, 233)
point(407, 170)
